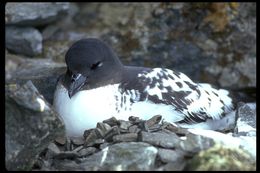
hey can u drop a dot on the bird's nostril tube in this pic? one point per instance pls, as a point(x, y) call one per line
point(73, 77)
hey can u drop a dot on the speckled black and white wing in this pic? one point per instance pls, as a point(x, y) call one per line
point(191, 102)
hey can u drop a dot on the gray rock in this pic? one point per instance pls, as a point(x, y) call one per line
point(98, 142)
point(173, 166)
point(112, 132)
point(87, 151)
point(42, 72)
point(153, 121)
point(196, 141)
point(104, 145)
point(246, 122)
point(123, 125)
point(65, 165)
point(66, 155)
point(77, 140)
point(49, 31)
point(30, 125)
point(134, 129)
point(166, 155)
point(128, 137)
point(104, 127)
point(160, 139)
point(111, 121)
point(134, 120)
point(130, 156)
point(26, 41)
point(60, 140)
point(53, 150)
point(90, 137)
point(78, 148)
point(175, 129)
point(199, 139)
point(34, 14)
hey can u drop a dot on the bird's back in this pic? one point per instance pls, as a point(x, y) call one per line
point(176, 95)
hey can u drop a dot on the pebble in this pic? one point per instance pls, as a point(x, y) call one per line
point(134, 129)
point(112, 132)
point(111, 121)
point(128, 137)
point(160, 139)
point(61, 140)
point(78, 140)
point(90, 136)
point(87, 151)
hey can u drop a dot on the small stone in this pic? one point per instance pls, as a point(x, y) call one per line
point(155, 128)
point(98, 142)
point(143, 126)
point(90, 136)
point(133, 129)
point(176, 129)
point(87, 151)
point(104, 127)
point(166, 155)
point(154, 120)
point(61, 140)
point(134, 119)
point(78, 148)
point(128, 137)
point(95, 143)
point(77, 140)
point(99, 133)
point(112, 132)
point(111, 121)
point(53, 150)
point(104, 145)
point(67, 155)
point(160, 139)
point(124, 124)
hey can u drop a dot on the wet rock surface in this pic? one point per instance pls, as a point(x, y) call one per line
point(210, 42)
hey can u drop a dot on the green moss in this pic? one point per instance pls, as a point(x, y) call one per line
point(221, 158)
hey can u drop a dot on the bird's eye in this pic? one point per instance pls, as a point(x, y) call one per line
point(96, 65)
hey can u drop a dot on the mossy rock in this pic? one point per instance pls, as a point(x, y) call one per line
point(222, 158)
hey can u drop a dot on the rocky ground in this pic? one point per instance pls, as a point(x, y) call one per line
point(210, 42)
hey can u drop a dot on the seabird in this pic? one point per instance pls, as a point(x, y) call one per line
point(97, 86)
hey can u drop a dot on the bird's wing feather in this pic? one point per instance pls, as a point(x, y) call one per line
point(195, 102)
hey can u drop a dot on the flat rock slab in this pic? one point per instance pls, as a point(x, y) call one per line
point(160, 139)
point(122, 157)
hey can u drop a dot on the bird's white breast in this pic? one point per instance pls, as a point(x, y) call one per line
point(88, 107)
point(84, 109)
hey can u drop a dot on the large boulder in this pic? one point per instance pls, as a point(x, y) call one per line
point(30, 125)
